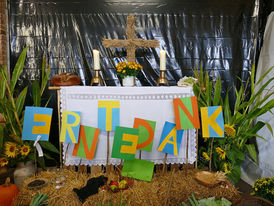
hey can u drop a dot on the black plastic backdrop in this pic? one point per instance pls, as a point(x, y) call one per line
point(222, 36)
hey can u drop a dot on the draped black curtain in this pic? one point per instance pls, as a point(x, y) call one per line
point(224, 37)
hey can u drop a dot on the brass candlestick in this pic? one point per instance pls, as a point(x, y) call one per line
point(162, 79)
point(97, 78)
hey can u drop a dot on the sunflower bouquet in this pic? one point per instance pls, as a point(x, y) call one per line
point(12, 148)
point(128, 69)
point(13, 153)
point(228, 153)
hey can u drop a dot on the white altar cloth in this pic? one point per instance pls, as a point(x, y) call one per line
point(151, 103)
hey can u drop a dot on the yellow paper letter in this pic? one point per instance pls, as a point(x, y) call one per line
point(210, 121)
point(173, 133)
point(131, 149)
point(42, 129)
point(68, 127)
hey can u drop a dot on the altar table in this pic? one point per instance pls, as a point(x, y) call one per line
point(150, 103)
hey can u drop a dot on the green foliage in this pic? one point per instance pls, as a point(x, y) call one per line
point(36, 94)
point(12, 107)
point(18, 69)
point(211, 201)
point(111, 202)
point(238, 116)
point(40, 199)
point(48, 146)
point(264, 188)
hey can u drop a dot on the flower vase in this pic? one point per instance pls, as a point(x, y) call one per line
point(128, 81)
point(22, 172)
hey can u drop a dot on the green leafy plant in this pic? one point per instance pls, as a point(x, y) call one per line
point(264, 188)
point(12, 148)
point(211, 201)
point(40, 199)
point(111, 202)
point(192, 202)
point(229, 152)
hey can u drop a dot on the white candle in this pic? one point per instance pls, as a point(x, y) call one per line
point(162, 60)
point(96, 59)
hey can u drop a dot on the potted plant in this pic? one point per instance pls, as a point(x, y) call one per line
point(264, 187)
point(128, 71)
point(12, 148)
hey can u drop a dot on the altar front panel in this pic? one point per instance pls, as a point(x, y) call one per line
point(150, 103)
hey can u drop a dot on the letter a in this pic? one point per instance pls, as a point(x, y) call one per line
point(170, 139)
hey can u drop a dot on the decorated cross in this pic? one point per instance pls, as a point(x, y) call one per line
point(130, 43)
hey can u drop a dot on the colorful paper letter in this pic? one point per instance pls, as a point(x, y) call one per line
point(88, 138)
point(146, 133)
point(125, 143)
point(70, 127)
point(186, 113)
point(108, 115)
point(138, 169)
point(212, 121)
point(37, 121)
point(170, 139)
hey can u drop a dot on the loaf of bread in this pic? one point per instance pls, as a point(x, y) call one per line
point(65, 79)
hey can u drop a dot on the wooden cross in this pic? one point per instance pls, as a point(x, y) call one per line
point(130, 43)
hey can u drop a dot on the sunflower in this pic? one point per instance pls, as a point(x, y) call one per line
point(226, 168)
point(229, 130)
point(11, 149)
point(3, 161)
point(220, 152)
point(205, 155)
point(24, 150)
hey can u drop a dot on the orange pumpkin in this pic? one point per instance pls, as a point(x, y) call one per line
point(8, 192)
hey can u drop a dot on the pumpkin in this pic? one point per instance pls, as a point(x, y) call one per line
point(8, 192)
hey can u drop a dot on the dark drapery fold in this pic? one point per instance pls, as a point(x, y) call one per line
point(222, 36)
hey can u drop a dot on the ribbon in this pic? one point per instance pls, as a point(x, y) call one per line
point(38, 147)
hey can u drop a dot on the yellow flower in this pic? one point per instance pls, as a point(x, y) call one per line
point(256, 189)
point(205, 155)
point(226, 168)
point(24, 150)
point(3, 161)
point(220, 152)
point(10, 149)
point(229, 130)
point(124, 71)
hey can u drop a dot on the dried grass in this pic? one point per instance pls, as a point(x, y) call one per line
point(170, 188)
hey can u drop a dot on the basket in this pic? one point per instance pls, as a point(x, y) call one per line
point(253, 201)
point(210, 179)
point(37, 184)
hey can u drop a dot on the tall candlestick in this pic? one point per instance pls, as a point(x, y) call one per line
point(162, 60)
point(96, 59)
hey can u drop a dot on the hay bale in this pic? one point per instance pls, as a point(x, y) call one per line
point(142, 193)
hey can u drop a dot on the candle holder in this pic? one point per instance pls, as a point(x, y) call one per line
point(162, 79)
point(97, 79)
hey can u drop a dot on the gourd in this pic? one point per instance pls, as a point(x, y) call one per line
point(8, 192)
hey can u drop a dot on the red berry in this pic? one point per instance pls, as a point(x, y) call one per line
point(113, 183)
